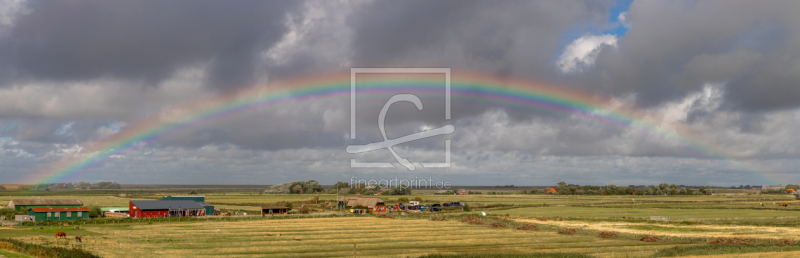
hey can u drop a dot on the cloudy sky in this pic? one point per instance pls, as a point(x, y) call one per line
point(77, 72)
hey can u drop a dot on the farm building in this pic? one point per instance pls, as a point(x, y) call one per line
point(772, 188)
point(26, 204)
point(265, 210)
point(462, 191)
point(59, 213)
point(196, 198)
point(550, 190)
point(115, 212)
point(374, 204)
point(201, 199)
point(115, 209)
point(173, 208)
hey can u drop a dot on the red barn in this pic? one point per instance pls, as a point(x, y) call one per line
point(174, 208)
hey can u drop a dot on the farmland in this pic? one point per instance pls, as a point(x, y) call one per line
point(693, 220)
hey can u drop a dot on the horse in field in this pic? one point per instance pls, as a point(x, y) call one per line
point(61, 235)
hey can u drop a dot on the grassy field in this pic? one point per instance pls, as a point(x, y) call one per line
point(326, 237)
point(673, 213)
point(732, 214)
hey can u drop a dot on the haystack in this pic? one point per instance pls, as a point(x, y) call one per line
point(568, 231)
point(528, 226)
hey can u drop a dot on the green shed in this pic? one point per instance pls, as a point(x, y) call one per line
point(59, 213)
point(209, 208)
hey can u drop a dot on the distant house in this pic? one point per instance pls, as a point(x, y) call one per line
point(580, 191)
point(26, 204)
point(270, 210)
point(772, 188)
point(550, 190)
point(462, 191)
point(59, 213)
point(373, 204)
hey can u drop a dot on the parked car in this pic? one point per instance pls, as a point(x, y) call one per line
point(446, 205)
point(434, 209)
point(436, 205)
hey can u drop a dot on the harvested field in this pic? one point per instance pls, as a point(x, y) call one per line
point(473, 221)
point(437, 218)
point(567, 231)
point(528, 226)
point(730, 241)
point(606, 234)
point(497, 224)
point(321, 237)
point(651, 238)
point(785, 242)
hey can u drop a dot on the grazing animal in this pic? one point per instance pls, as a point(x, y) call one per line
point(297, 238)
point(78, 238)
point(61, 235)
point(269, 234)
point(217, 230)
point(279, 234)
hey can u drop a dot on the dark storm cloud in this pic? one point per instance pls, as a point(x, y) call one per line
point(149, 40)
point(503, 37)
point(674, 47)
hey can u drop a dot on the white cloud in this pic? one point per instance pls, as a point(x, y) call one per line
point(622, 18)
point(582, 52)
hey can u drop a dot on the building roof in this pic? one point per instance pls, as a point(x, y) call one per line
point(365, 201)
point(204, 204)
point(47, 202)
point(186, 196)
point(163, 205)
point(50, 209)
point(114, 208)
point(273, 207)
point(349, 197)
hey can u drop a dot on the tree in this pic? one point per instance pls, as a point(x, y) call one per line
point(95, 212)
point(789, 186)
point(193, 192)
point(339, 185)
point(8, 212)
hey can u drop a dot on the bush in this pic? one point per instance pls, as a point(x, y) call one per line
point(402, 200)
point(95, 212)
point(43, 251)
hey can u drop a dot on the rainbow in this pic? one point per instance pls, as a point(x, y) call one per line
point(465, 86)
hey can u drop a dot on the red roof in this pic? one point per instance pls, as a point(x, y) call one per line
point(48, 209)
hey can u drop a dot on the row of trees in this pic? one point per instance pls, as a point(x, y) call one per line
point(364, 189)
point(661, 189)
